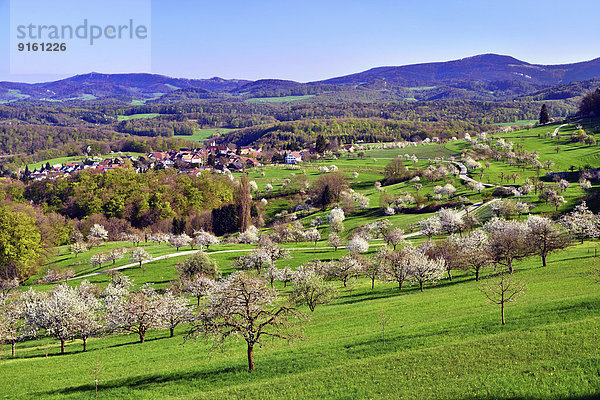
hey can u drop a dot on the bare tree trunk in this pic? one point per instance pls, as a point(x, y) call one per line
point(502, 310)
point(171, 330)
point(84, 343)
point(142, 336)
point(250, 357)
point(450, 274)
point(62, 346)
point(543, 260)
point(421, 285)
point(372, 283)
point(12, 347)
point(477, 275)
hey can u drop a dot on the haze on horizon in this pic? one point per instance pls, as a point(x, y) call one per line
point(315, 40)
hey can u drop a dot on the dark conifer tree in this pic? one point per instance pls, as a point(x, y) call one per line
point(321, 144)
point(326, 197)
point(544, 117)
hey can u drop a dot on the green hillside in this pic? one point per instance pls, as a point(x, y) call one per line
point(446, 342)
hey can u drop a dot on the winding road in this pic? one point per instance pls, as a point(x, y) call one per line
point(463, 175)
point(469, 209)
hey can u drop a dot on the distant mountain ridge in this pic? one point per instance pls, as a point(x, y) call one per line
point(482, 68)
point(482, 77)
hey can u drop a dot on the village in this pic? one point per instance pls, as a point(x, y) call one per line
point(217, 158)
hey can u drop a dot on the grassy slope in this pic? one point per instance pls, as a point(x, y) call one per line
point(136, 116)
point(521, 122)
point(200, 135)
point(444, 343)
point(569, 154)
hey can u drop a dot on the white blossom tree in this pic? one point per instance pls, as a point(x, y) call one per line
point(585, 184)
point(545, 237)
point(335, 240)
point(395, 237)
point(115, 254)
point(347, 267)
point(271, 274)
point(6, 286)
point(507, 241)
point(13, 328)
point(137, 313)
point(198, 286)
point(98, 232)
point(262, 257)
point(77, 247)
point(90, 321)
point(450, 220)
point(563, 185)
point(203, 238)
point(474, 253)
point(139, 255)
point(244, 305)
point(362, 201)
point(581, 222)
point(358, 245)
point(249, 236)
point(396, 267)
point(312, 235)
point(431, 226)
point(98, 259)
point(60, 314)
point(286, 275)
point(312, 290)
point(134, 238)
point(179, 241)
point(448, 190)
point(422, 268)
point(373, 267)
point(173, 310)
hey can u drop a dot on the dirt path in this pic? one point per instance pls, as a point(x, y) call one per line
point(190, 252)
point(462, 175)
point(558, 128)
point(471, 208)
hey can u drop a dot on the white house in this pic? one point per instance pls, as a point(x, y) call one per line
point(293, 158)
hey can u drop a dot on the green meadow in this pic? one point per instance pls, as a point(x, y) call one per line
point(200, 135)
point(446, 342)
point(137, 116)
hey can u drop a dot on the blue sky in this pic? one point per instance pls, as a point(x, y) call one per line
point(311, 40)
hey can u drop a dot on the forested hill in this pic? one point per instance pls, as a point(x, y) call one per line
point(481, 68)
point(487, 77)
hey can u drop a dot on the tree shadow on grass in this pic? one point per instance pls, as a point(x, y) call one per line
point(71, 350)
point(134, 341)
point(526, 320)
point(407, 289)
point(150, 380)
